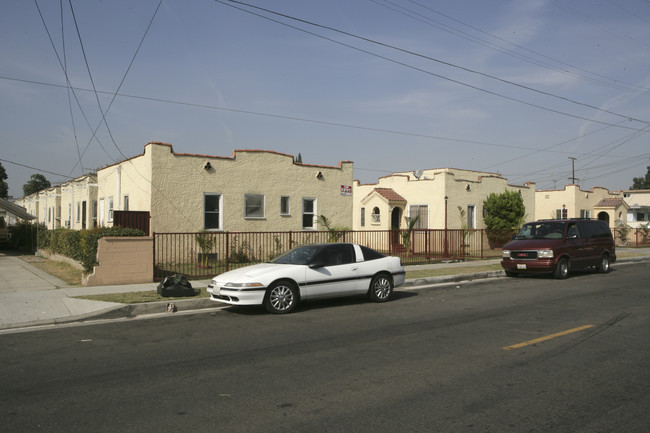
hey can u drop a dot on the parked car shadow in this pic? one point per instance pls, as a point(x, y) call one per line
point(306, 306)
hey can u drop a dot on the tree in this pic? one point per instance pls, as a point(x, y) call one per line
point(36, 184)
point(504, 211)
point(642, 182)
point(4, 188)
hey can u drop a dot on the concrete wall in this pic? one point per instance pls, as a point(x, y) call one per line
point(122, 260)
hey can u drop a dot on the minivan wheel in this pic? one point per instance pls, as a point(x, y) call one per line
point(603, 268)
point(562, 269)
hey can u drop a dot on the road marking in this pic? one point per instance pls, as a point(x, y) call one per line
point(548, 337)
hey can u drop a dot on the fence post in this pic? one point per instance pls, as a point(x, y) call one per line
point(227, 251)
point(153, 256)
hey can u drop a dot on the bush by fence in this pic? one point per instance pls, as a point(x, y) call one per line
point(81, 245)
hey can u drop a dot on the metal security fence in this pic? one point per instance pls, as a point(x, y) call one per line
point(206, 254)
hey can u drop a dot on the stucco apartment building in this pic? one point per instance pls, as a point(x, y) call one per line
point(573, 202)
point(638, 213)
point(71, 204)
point(252, 190)
point(434, 195)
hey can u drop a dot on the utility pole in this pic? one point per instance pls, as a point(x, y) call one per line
point(573, 170)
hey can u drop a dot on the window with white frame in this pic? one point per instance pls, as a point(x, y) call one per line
point(78, 211)
point(375, 215)
point(212, 214)
point(285, 210)
point(126, 203)
point(363, 217)
point(110, 209)
point(471, 216)
point(561, 214)
point(308, 213)
point(101, 212)
point(585, 213)
point(253, 206)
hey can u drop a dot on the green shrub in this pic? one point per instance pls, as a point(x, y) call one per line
point(81, 245)
point(24, 236)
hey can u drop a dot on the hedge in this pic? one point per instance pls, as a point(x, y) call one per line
point(80, 245)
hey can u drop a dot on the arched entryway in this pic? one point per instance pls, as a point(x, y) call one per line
point(603, 216)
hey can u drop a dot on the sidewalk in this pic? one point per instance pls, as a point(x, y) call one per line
point(31, 297)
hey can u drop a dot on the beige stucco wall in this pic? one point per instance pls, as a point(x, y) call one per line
point(172, 186)
point(122, 260)
point(73, 194)
point(30, 203)
point(49, 207)
point(131, 178)
point(462, 187)
point(575, 200)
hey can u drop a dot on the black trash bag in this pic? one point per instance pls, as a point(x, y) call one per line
point(176, 285)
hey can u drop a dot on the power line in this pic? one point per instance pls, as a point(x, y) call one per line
point(37, 169)
point(306, 120)
point(431, 59)
point(611, 82)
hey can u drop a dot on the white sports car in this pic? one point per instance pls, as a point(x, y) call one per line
point(310, 272)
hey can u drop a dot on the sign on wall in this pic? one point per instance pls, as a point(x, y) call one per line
point(346, 190)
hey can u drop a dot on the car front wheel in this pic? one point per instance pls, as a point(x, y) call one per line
point(281, 297)
point(381, 287)
point(562, 269)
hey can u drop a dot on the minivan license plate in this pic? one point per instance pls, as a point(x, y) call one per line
point(521, 266)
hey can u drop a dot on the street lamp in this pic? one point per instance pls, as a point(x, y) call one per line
point(445, 252)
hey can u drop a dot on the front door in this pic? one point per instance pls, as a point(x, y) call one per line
point(395, 218)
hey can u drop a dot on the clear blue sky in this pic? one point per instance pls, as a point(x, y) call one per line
point(516, 87)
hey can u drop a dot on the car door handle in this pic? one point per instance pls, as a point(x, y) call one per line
point(355, 269)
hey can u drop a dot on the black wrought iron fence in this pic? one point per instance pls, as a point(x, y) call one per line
point(206, 254)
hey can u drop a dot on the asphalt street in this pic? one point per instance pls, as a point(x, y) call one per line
point(502, 355)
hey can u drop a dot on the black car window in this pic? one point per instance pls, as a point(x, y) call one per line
point(370, 254)
point(302, 255)
point(573, 232)
point(337, 254)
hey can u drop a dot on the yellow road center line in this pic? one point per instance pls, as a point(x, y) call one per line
point(548, 337)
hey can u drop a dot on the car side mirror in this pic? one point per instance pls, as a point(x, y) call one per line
point(572, 236)
point(317, 264)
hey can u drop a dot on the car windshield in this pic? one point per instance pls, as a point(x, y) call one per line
point(302, 255)
point(541, 230)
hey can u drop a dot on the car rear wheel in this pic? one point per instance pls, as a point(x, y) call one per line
point(562, 269)
point(604, 267)
point(381, 287)
point(281, 297)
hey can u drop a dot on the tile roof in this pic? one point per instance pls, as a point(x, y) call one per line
point(609, 202)
point(389, 194)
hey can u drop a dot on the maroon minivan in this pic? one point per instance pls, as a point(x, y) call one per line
point(557, 246)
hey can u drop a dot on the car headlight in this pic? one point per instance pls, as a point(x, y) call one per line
point(545, 254)
point(243, 285)
point(505, 253)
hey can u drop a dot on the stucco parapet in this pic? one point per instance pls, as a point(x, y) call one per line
point(240, 151)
